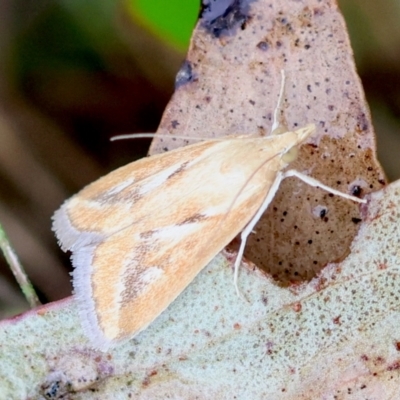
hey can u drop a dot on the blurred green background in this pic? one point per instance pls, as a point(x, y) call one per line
point(76, 72)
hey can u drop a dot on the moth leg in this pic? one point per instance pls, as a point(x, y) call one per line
point(249, 227)
point(313, 182)
point(271, 194)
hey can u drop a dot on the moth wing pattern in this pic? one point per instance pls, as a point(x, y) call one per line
point(140, 234)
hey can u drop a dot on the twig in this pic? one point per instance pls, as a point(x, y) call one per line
point(18, 270)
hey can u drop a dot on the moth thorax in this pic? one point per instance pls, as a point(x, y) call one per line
point(290, 155)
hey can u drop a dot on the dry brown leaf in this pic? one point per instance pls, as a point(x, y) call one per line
point(229, 84)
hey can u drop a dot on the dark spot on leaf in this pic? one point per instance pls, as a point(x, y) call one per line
point(184, 75)
point(356, 220)
point(394, 366)
point(264, 46)
point(318, 11)
point(52, 390)
point(224, 17)
point(356, 191)
point(174, 124)
point(362, 122)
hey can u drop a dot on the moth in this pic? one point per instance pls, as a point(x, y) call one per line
point(141, 234)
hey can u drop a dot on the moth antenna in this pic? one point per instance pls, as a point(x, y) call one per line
point(153, 135)
point(275, 123)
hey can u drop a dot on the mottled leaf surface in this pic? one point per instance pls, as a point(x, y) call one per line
point(335, 335)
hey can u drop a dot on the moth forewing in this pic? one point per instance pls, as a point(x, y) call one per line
point(143, 232)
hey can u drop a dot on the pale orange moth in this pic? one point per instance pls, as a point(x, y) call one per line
point(140, 234)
